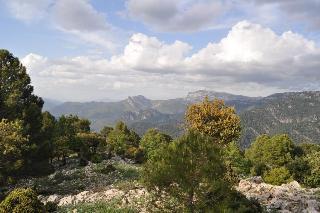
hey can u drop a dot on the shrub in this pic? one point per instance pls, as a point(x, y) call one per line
point(237, 202)
point(313, 179)
point(152, 140)
point(97, 158)
point(235, 161)
point(277, 176)
point(51, 207)
point(270, 152)
point(21, 200)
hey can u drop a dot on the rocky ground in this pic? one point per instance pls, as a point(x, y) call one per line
point(116, 181)
point(289, 197)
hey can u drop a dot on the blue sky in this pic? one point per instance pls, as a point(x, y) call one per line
point(84, 50)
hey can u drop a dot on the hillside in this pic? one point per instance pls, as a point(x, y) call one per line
point(296, 113)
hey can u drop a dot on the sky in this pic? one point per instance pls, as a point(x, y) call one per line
point(84, 50)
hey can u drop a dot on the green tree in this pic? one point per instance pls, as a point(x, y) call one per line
point(66, 140)
point(270, 152)
point(313, 178)
point(191, 170)
point(48, 133)
point(13, 148)
point(236, 164)
point(214, 119)
point(88, 143)
point(123, 142)
point(17, 101)
point(21, 200)
point(152, 140)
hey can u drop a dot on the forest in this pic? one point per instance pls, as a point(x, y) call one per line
point(196, 172)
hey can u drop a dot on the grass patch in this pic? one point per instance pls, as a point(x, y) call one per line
point(128, 172)
point(99, 207)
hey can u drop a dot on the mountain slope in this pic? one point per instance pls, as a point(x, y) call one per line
point(296, 113)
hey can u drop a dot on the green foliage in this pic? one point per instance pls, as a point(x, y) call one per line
point(17, 102)
point(214, 119)
point(73, 136)
point(123, 142)
point(189, 168)
point(236, 164)
point(299, 168)
point(104, 132)
point(270, 152)
point(277, 176)
point(313, 179)
point(152, 140)
point(51, 207)
point(21, 200)
point(234, 201)
point(48, 132)
point(309, 148)
point(99, 207)
point(13, 148)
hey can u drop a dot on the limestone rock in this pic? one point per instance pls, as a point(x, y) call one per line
point(289, 197)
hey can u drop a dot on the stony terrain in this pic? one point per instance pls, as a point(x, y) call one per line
point(116, 181)
point(289, 197)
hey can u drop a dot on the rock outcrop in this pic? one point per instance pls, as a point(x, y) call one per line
point(289, 197)
point(126, 197)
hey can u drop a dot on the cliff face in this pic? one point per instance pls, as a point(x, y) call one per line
point(289, 197)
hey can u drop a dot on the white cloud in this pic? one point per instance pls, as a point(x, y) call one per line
point(80, 19)
point(75, 15)
point(250, 60)
point(28, 10)
point(176, 15)
point(306, 11)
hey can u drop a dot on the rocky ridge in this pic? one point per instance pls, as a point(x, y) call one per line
point(289, 197)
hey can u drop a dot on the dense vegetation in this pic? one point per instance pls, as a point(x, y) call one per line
point(195, 172)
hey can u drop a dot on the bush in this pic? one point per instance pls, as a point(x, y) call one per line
point(51, 207)
point(152, 140)
point(237, 202)
point(21, 200)
point(313, 179)
point(97, 158)
point(277, 176)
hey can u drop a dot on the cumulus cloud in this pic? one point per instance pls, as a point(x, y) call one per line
point(175, 15)
point(250, 60)
point(28, 10)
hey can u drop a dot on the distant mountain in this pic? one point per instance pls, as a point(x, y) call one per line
point(137, 109)
point(294, 113)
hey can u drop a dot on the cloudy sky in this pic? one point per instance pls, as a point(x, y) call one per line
point(84, 50)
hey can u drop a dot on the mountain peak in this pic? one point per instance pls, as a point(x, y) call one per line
point(139, 102)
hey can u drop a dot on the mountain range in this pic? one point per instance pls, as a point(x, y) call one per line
point(294, 113)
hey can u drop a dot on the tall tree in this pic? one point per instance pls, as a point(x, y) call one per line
point(17, 101)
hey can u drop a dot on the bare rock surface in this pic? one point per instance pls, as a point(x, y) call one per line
point(289, 197)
